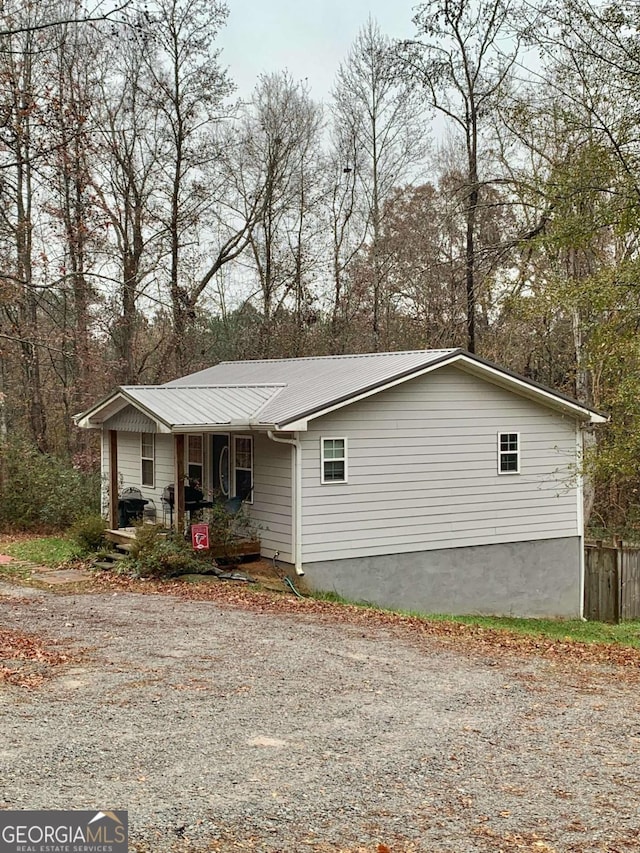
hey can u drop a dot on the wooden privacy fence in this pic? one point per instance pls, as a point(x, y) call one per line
point(611, 582)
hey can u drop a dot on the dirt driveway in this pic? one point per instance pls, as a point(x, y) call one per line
point(229, 728)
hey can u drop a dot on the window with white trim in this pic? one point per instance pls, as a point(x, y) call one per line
point(148, 458)
point(334, 460)
point(195, 458)
point(508, 453)
point(243, 467)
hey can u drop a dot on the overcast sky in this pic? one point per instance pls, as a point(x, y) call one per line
point(309, 38)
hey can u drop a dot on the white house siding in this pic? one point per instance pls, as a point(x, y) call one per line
point(130, 466)
point(271, 508)
point(422, 472)
point(131, 420)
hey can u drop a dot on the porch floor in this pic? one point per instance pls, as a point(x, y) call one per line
point(124, 538)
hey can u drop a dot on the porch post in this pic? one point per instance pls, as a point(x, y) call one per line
point(113, 479)
point(178, 480)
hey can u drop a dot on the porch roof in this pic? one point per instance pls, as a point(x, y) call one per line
point(179, 408)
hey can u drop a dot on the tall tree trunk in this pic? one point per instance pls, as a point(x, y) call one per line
point(471, 215)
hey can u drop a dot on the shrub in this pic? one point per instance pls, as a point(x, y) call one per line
point(225, 528)
point(88, 533)
point(160, 554)
point(42, 491)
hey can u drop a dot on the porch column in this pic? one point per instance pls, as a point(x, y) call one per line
point(113, 479)
point(178, 480)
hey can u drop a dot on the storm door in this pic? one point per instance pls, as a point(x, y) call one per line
point(220, 475)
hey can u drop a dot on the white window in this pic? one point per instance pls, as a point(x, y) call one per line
point(508, 453)
point(334, 460)
point(195, 459)
point(148, 458)
point(243, 467)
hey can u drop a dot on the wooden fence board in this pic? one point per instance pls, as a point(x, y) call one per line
point(611, 582)
point(630, 584)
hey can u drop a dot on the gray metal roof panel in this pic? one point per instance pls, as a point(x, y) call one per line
point(206, 406)
point(313, 384)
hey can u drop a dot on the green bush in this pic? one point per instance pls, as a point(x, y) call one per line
point(41, 491)
point(157, 553)
point(225, 529)
point(88, 533)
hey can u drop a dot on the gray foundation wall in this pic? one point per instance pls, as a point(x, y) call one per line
point(534, 579)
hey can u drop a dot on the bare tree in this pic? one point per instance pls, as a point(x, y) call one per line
point(347, 222)
point(279, 164)
point(191, 88)
point(382, 115)
point(62, 14)
point(459, 58)
point(126, 179)
point(20, 118)
point(67, 121)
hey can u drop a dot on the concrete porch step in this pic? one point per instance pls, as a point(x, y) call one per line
point(108, 561)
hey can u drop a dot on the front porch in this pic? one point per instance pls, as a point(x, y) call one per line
point(235, 547)
point(173, 455)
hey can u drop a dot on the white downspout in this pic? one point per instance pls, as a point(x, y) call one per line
point(296, 525)
point(580, 511)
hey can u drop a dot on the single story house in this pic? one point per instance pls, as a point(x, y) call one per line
point(429, 480)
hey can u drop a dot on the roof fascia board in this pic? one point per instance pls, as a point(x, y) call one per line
point(476, 366)
point(84, 419)
point(120, 395)
point(230, 426)
point(506, 379)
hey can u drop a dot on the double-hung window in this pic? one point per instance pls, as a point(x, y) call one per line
point(243, 467)
point(148, 458)
point(334, 460)
point(508, 453)
point(195, 460)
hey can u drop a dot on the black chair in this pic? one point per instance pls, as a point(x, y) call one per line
point(232, 506)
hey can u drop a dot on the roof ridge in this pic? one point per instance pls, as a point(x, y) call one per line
point(340, 356)
point(167, 387)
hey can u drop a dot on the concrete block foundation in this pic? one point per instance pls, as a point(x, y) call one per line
point(529, 579)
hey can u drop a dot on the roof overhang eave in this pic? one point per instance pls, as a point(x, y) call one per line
point(89, 419)
point(300, 425)
point(473, 364)
point(233, 425)
point(530, 389)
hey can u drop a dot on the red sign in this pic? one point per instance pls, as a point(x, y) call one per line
point(200, 537)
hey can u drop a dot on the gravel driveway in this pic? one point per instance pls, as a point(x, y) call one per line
point(224, 728)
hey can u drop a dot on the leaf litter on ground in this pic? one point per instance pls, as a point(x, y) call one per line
point(18, 648)
point(476, 638)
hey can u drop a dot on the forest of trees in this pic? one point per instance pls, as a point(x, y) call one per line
point(475, 185)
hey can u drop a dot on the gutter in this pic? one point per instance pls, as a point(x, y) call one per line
point(297, 497)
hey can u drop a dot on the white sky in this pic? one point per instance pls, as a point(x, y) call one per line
point(307, 38)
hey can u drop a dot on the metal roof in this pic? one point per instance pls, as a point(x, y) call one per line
point(283, 392)
point(206, 406)
point(312, 384)
point(180, 406)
